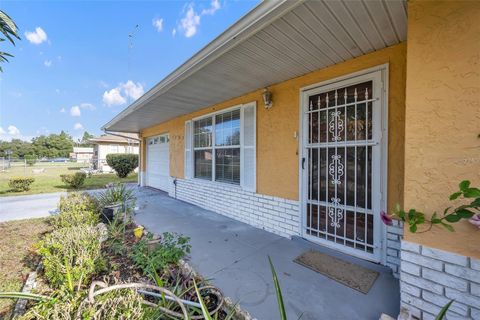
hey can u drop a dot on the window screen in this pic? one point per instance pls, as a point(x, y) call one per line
point(225, 148)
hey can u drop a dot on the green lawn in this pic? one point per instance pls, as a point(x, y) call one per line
point(49, 181)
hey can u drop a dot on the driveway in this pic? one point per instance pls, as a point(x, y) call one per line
point(34, 206)
point(234, 256)
point(30, 206)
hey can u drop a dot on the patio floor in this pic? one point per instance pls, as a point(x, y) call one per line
point(234, 256)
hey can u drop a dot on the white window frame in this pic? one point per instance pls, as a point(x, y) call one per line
point(214, 147)
point(240, 107)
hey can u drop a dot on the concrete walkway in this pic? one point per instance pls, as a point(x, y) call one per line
point(234, 256)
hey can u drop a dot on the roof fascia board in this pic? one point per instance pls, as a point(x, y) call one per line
point(262, 15)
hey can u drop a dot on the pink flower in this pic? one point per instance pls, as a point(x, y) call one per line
point(386, 218)
point(475, 220)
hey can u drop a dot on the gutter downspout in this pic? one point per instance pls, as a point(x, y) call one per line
point(140, 145)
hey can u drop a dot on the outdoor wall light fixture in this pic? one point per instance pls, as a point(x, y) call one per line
point(267, 98)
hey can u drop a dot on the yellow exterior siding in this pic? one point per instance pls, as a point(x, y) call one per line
point(442, 114)
point(277, 148)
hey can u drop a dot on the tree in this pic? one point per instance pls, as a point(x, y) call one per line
point(19, 148)
point(10, 31)
point(85, 139)
point(51, 146)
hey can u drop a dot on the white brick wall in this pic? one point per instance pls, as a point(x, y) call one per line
point(430, 278)
point(394, 237)
point(273, 214)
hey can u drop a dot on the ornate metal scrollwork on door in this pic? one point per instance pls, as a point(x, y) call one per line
point(335, 169)
point(335, 214)
point(336, 125)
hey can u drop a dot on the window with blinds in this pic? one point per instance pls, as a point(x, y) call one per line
point(221, 147)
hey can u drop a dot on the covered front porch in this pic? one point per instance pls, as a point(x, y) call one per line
point(234, 256)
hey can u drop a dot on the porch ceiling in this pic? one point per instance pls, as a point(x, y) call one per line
point(274, 42)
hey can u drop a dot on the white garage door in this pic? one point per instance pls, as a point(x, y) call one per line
point(158, 163)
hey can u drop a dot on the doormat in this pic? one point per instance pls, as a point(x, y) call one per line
point(349, 274)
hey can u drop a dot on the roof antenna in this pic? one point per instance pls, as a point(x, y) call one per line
point(129, 57)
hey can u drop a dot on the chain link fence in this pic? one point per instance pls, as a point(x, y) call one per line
point(28, 165)
point(92, 165)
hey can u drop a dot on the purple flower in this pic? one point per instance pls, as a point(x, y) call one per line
point(475, 220)
point(386, 218)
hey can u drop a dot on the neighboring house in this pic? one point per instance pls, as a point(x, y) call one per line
point(107, 144)
point(363, 116)
point(82, 154)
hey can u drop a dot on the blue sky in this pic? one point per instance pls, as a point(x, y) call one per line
point(73, 69)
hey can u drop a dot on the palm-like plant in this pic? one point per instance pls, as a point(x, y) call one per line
point(9, 30)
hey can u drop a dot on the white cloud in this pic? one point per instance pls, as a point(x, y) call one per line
point(113, 97)
point(57, 90)
point(190, 22)
point(13, 131)
point(158, 24)
point(133, 90)
point(122, 93)
point(63, 110)
point(47, 63)
point(87, 106)
point(78, 126)
point(214, 6)
point(36, 37)
point(75, 111)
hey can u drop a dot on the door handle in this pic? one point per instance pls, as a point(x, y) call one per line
point(303, 163)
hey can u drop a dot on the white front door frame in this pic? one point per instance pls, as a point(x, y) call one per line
point(377, 74)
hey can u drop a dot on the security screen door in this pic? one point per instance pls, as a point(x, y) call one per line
point(342, 167)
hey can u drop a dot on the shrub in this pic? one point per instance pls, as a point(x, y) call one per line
point(71, 256)
point(30, 160)
point(118, 193)
point(116, 304)
point(76, 209)
point(20, 183)
point(170, 250)
point(78, 201)
point(63, 306)
point(122, 163)
point(116, 237)
point(75, 180)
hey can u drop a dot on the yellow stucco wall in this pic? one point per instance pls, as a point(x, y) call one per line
point(277, 149)
point(442, 113)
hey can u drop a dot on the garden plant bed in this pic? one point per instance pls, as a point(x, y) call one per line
point(112, 271)
point(176, 277)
